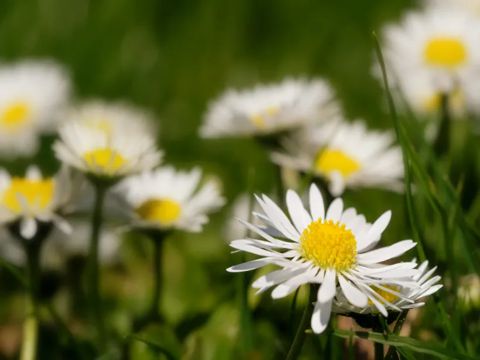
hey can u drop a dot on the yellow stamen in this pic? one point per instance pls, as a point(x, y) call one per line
point(259, 120)
point(15, 115)
point(447, 52)
point(32, 193)
point(105, 159)
point(163, 211)
point(329, 245)
point(328, 161)
point(391, 298)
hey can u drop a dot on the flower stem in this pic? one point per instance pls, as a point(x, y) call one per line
point(298, 340)
point(157, 241)
point(93, 264)
point(378, 347)
point(442, 142)
point(30, 326)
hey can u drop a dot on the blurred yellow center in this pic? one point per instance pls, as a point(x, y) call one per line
point(31, 193)
point(163, 211)
point(391, 298)
point(329, 245)
point(259, 120)
point(15, 114)
point(328, 161)
point(445, 51)
point(108, 160)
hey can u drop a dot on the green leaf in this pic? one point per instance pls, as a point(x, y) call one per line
point(405, 343)
point(159, 339)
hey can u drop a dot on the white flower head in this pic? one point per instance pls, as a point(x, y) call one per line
point(32, 95)
point(440, 41)
point(108, 140)
point(169, 199)
point(347, 155)
point(269, 109)
point(323, 246)
point(33, 198)
point(403, 297)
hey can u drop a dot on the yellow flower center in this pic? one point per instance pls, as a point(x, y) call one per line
point(329, 160)
point(329, 245)
point(163, 211)
point(259, 120)
point(105, 159)
point(391, 298)
point(15, 115)
point(32, 193)
point(448, 52)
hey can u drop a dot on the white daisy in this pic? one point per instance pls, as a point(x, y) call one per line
point(107, 140)
point(269, 109)
point(472, 6)
point(440, 41)
point(346, 155)
point(166, 198)
point(403, 297)
point(32, 94)
point(329, 247)
point(33, 198)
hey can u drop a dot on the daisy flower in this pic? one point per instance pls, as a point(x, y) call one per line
point(330, 247)
point(346, 155)
point(469, 5)
point(32, 94)
point(166, 199)
point(33, 199)
point(269, 109)
point(402, 297)
point(107, 140)
point(440, 41)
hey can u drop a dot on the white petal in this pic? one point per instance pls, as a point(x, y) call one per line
point(28, 227)
point(385, 253)
point(289, 286)
point(249, 265)
point(335, 209)
point(300, 217)
point(328, 287)
point(278, 218)
point(352, 293)
point(321, 316)
point(337, 183)
point(373, 235)
point(317, 207)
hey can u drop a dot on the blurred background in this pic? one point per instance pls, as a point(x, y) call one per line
point(171, 57)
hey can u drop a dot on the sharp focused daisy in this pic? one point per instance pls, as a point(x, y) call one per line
point(440, 41)
point(330, 247)
point(107, 140)
point(33, 198)
point(269, 109)
point(402, 297)
point(32, 94)
point(165, 199)
point(346, 155)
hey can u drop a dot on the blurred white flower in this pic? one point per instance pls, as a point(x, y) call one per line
point(347, 155)
point(32, 96)
point(407, 296)
point(107, 140)
point(33, 198)
point(468, 292)
point(269, 109)
point(439, 45)
point(472, 6)
point(324, 246)
point(166, 198)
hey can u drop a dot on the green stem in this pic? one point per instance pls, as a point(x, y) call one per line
point(157, 241)
point(379, 347)
point(442, 142)
point(30, 326)
point(93, 263)
point(298, 340)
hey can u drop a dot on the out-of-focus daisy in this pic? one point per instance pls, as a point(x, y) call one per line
point(440, 41)
point(468, 292)
point(472, 6)
point(33, 198)
point(324, 246)
point(32, 94)
point(408, 296)
point(346, 155)
point(165, 199)
point(269, 109)
point(107, 140)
